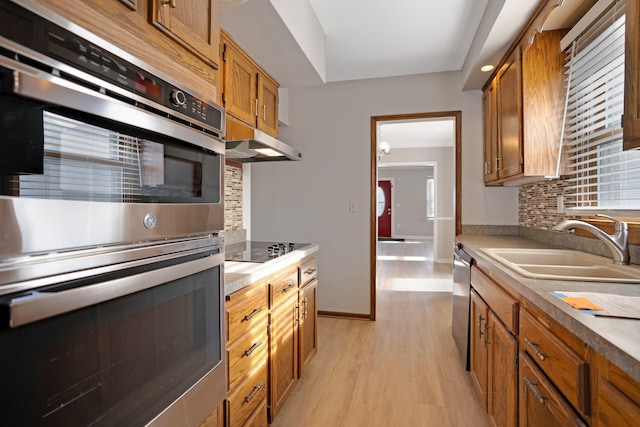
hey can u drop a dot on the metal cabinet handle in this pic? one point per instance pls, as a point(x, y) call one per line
point(172, 3)
point(253, 313)
point(486, 334)
point(310, 271)
point(253, 393)
point(264, 113)
point(297, 313)
point(532, 386)
point(305, 302)
point(256, 110)
point(480, 331)
point(288, 288)
point(252, 348)
point(534, 347)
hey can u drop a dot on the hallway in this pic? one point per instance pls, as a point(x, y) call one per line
point(401, 370)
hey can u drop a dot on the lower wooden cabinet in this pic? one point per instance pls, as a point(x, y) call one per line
point(617, 403)
point(502, 393)
point(307, 329)
point(215, 419)
point(479, 352)
point(541, 405)
point(247, 397)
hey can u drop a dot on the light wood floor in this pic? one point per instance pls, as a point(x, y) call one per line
point(401, 370)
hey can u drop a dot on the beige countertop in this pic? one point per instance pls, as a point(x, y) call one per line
point(238, 275)
point(617, 339)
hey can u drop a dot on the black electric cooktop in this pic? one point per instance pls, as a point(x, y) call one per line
point(254, 251)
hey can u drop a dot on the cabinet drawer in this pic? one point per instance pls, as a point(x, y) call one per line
point(246, 309)
point(540, 402)
point(568, 371)
point(282, 287)
point(248, 397)
point(499, 301)
point(244, 354)
point(308, 270)
point(259, 417)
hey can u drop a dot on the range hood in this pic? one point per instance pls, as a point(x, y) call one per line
point(246, 144)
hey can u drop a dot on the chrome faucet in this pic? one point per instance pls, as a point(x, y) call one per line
point(618, 242)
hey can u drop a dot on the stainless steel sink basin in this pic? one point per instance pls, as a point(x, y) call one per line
point(563, 264)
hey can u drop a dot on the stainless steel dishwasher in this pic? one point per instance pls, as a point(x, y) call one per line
point(461, 297)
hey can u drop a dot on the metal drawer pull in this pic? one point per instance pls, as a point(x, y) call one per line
point(305, 302)
point(288, 288)
point(252, 348)
point(253, 313)
point(534, 347)
point(172, 3)
point(310, 271)
point(532, 386)
point(253, 393)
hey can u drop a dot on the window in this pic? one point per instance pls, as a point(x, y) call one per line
point(431, 199)
point(603, 177)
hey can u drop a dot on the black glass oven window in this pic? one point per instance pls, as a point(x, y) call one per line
point(118, 363)
point(86, 162)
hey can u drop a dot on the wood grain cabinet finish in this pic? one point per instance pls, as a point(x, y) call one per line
point(247, 312)
point(494, 349)
point(195, 24)
point(283, 340)
point(250, 95)
point(618, 399)
point(308, 328)
point(631, 122)
point(564, 368)
point(127, 24)
point(524, 103)
point(215, 419)
point(541, 405)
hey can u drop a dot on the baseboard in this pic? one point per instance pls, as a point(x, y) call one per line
point(338, 315)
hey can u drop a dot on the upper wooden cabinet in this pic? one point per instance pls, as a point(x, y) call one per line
point(631, 122)
point(195, 24)
point(522, 113)
point(248, 93)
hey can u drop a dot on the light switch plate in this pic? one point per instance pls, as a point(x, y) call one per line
point(353, 206)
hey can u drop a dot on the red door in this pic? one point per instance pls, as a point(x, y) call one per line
point(384, 208)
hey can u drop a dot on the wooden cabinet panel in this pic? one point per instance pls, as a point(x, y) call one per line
point(248, 397)
point(501, 303)
point(240, 84)
point(631, 122)
point(568, 372)
point(283, 287)
point(308, 335)
point(540, 402)
point(502, 392)
point(283, 353)
point(259, 417)
point(245, 353)
point(267, 105)
point(490, 133)
point(308, 269)
point(509, 82)
point(478, 341)
point(215, 419)
point(618, 400)
point(246, 309)
point(192, 23)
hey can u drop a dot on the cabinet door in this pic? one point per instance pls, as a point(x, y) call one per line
point(283, 353)
point(307, 333)
point(618, 400)
point(509, 87)
point(268, 105)
point(214, 419)
point(631, 124)
point(490, 133)
point(479, 343)
point(502, 393)
point(240, 85)
point(192, 23)
point(540, 403)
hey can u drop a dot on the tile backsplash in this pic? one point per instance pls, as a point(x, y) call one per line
point(538, 204)
point(233, 198)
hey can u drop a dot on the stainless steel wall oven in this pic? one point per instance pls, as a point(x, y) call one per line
point(111, 199)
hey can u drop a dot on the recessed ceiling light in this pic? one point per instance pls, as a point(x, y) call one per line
point(486, 68)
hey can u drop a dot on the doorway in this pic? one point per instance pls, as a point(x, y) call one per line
point(376, 156)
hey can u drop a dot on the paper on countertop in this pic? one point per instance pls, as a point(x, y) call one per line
point(612, 305)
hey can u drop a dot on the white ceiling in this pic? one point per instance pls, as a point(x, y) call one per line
point(305, 42)
point(424, 133)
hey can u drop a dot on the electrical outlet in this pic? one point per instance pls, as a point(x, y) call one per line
point(353, 206)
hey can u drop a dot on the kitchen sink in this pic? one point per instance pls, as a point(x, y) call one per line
point(563, 264)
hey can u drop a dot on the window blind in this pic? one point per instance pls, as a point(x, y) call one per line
point(602, 177)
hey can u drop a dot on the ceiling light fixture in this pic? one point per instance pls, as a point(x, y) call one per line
point(383, 149)
point(486, 68)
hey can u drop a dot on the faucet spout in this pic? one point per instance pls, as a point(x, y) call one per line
point(617, 243)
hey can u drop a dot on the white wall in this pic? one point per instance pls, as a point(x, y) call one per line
point(308, 201)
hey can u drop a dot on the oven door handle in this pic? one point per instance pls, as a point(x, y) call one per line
point(43, 304)
point(38, 85)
